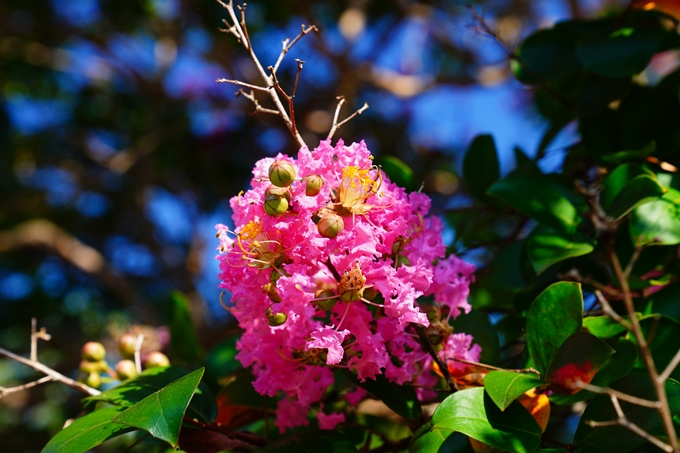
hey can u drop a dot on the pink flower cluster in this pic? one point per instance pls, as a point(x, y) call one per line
point(330, 278)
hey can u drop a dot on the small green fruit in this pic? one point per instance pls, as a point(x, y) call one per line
point(275, 319)
point(327, 300)
point(330, 225)
point(271, 291)
point(126, 369)
point(93, 351)
point(278, 191)
point(94, 380)
point(155, 359)
point(282, 173)
point(313, 184)
point(275, 205)
point(126, 345)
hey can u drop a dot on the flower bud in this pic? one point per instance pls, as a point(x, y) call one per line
point(126, 369)
point(94, 380)
point(93, 351)
point(275, 320)
point(278, 191)
point(370, 293)
point(402, 260)
point(313, 185)
point(330, 225)
point(281, 173)
point(327, 301)
point(126, 345)
point(88, 367)
point(275, 205)
point(270, 290)
point(155, 359)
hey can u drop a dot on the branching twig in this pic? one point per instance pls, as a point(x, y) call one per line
point(7, 390)
point(35, 335)
point(622, 396)
point(623, 421)
point(244, 84)
point(258, 107)
point(138, 351)
point(425, 342)
point(609, 311)
point(336, 125)
point(657, 381)
point(285, 48)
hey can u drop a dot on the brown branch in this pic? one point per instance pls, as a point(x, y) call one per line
point(622, 396)
point(425, 342)
point(658, 383)
point(138, 350)
point(7, 390)
point(258, 107)
point(252, 439)
point(609, 311)
point(336, 125)
point(35, 335)
point(244, 84)
point(286, 46)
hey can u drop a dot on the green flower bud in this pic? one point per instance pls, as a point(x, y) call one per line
point(278, 191)
point(402, 260)
point(93, 351)
point(126, 345)
point(275, 319)
point(370, 293)
point(313, 184)
point(271, 291)
point(325, 303)
point(275, 205)
point(281, 173)
point(94, 380)
point(126, 369)
point(88, 367)
point(330, 225)
point(155, 359)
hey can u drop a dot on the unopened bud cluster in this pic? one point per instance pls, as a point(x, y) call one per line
point(326, 266)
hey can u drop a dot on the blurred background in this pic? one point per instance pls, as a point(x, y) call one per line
point(119, 152)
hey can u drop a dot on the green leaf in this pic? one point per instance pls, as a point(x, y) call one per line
point(665, 301)
point(477, 324)
point(136, 389)
point(540, 199)
point(553, 317)
point(603, 326)
point(634, 155)
point(87, 432)
point(662, 334)
point(640, 190)
point(311, 442)
point(618, 438)
point(617, 179)
point(621, 53)
point(397, 170)
point(183, 339)
point(505, 269)
point(400, 398)
point(657, 222)
point(546, 55)
point(578, 359)
point(480, 166)
point(619, 365)
point(473, 413)
point(504, 387)
point(546, 247)
point(161, 413)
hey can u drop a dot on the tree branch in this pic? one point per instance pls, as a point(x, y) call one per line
point(425, 342)
point(336, 125)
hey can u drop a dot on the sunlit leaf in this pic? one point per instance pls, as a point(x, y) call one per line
point(504, 387)
point(546, 247)
point(657, 222)
point(87, 432)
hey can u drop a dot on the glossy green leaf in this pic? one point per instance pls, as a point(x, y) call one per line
point(477, 324)
point(397, 170)
point(617, 179)
point(578, 358)
point(553, 317)
point(87, 432)
point(473, 413)
point(311, 442)
point(538, 198)
point(665, 301)
point(603, 326)
point(633, 155)
point(621, 53)
point(663, 335)
point(640, 190)
point(480, 166)
point(546, 55)
point(546, 247)
point(184, 342)
point(136, 389)
point(657, 222)
point(504, 387)
point(400, 398)
point(161, 413)
point(618, 438)
point(620, 364)
point(505, 269)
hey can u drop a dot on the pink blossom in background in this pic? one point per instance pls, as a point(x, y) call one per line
point(308, 300)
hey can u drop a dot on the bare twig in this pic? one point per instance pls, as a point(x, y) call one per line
point(623, 421)
point(609, 311)
point(336, 125)
point(491, 367)
point(244, 84)
point(258, 107)
point(47, 371)
point(632, 261)
point(7, 390)
point(35, 335)
point(622, 396)
point(285, 48)
point(670, 367)
point(658, 383)
point(138, 351)
point(425, 342)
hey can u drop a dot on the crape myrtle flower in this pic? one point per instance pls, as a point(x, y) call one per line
point(326, 266)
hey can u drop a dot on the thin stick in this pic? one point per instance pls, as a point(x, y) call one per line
point(244, 84)
point(258, 107)
point(491, 367)
point(286, 47)
point(425, 342)
point(609, 311)
point(670, 367)
point(659, 385)
point(138, 352)
point(55, 375)
point(4, 391)
point(632, 261)
point(622, 396)
point(34, 340)
point(336, 125)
